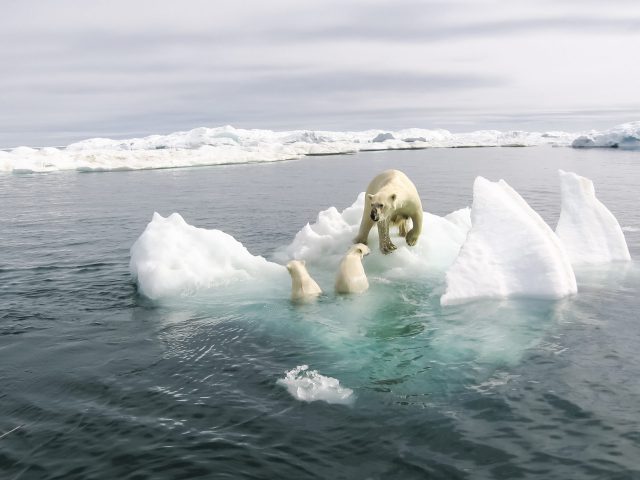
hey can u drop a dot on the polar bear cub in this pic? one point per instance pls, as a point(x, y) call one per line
point(303, 287)
point(392, 199)
point(351, 277)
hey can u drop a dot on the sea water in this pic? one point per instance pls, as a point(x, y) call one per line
point(239, 383)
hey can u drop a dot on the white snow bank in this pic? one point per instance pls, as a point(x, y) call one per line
point(509, 251)
point(173, 258)
point(225, 145)
point(626, 136)
point(309, 386)
point(323, 243)
point(589, 231)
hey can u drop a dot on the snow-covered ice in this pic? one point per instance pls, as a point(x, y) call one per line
point(509, 251)
point(309, 386)
point(323, 243)
point(227, 145)
point(589, 231)
point(172, 258)
point(625, 136)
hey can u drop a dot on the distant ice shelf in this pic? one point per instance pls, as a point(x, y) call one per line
point(228, 145)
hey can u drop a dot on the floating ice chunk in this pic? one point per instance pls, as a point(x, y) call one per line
point(626, 136)
point(509, 251)
point(323, 243)
point(589, 231)
point(309, 386)
point(173, 258)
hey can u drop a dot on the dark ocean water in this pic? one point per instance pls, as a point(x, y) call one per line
point(106, 384)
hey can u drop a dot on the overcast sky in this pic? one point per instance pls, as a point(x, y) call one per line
point(77, 69)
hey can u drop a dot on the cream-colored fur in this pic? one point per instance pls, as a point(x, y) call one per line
point(351, 277)
point(392, 199)
point(303, 287)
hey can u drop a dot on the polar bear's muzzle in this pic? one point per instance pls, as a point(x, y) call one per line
point(374, 215)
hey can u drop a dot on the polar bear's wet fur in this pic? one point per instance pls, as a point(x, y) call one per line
point(303, 287)
point(391, 199)
point(351, 277)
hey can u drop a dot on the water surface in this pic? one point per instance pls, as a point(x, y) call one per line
point(106, 384)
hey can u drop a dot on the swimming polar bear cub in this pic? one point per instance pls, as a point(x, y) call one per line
point(391, 199)
point(303, 287)
point(351, 277)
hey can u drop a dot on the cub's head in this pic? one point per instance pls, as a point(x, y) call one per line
point(359, 249)
point(381, 205)
point(296, 267)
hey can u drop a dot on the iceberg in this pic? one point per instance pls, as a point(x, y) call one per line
point(172, 258)
point(625, 136)
point(509, 251)
point(308, 386)
point(589, 231)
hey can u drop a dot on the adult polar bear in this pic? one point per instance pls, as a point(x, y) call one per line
point(391, 200)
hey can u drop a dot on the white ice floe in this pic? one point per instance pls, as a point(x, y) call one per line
point(309, 386)
point(173, 258)
point(323, 243)
point(498, 248)
point(589, 231)
point(509, 251)
point(625, 136)
point(227, 145)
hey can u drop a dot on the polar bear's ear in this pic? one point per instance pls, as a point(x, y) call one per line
point(369, 196)
point(393, 197)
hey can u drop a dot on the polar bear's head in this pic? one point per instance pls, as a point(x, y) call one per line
point(359, 249)
point(382, 204)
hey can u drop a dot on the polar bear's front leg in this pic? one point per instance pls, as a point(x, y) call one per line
point(385, 241)
point(365, 227)
point(414, 233)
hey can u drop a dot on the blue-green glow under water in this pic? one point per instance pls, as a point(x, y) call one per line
point(106, 384)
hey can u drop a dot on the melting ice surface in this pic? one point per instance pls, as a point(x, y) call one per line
point(309, 386)
point(226, 145)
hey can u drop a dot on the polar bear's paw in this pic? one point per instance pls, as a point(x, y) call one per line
point(412, 237)
point(387, 247)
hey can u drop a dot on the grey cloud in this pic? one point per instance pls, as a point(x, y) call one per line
point(438, 32)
